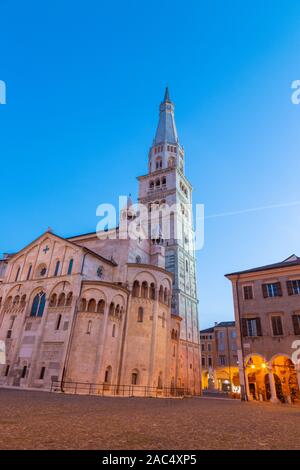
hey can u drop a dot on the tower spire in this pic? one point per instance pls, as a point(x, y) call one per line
point(167, 95)
point(166, 129)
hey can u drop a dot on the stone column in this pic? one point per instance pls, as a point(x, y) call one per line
point(298, 376)
point(273, 398)
point(249, 395)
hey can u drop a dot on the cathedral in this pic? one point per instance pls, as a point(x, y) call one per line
point(110, 313)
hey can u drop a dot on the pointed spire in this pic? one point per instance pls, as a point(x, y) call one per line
point(167, 96)
point(166, 129)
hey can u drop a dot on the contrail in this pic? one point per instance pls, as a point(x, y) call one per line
point(253, 209)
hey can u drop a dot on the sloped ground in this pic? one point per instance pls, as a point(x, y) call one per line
point(40, 420)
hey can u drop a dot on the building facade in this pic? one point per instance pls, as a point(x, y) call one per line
point(104, 310)
point(267, 314)
point(219, 358)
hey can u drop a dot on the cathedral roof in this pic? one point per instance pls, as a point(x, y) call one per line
point(166, 129)
point(51, 234)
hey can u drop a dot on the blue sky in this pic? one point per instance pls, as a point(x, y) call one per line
point(84, 82)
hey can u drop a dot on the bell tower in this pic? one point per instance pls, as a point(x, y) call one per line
point(165, 186)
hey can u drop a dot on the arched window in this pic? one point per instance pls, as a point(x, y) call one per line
point(157, 183)
point(38, 305)
point(92, 305)
point(113, 333)
point(136, 289)
point(23, 301)
point(8, 303)
point(112, 309)
point(161, 294)
point(70, 267)
point(171, 162)
point(152, 291)
point(69, 299)
point(100, 306)
point(107, 376)
point(53, 300)
point(144, 291)
point(117, 311)
point(61, 300)
point(18, 273)
point(166, 296)
point(164, 181)
point(16, 301)
point(83, 305)
point(158, 163)
point(56, 268)
point(140, 318)
point(29, 272)
point(151, 185)
point(135, 377)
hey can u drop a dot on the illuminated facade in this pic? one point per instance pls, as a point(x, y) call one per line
point(267, 315)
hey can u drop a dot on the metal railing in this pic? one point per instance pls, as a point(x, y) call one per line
point(106, 389)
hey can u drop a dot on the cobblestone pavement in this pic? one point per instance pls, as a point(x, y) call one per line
point(40, 420)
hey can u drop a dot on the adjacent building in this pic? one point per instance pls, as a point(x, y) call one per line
point(107, 312)
point(219, 358)
point(267, 315)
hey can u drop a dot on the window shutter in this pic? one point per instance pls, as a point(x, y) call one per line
point(279, 325)
point(296, 324)
point(244, 327)
point(279, 289)
point(258, 327)
point(265, 290)
point(274, 329)
point(289, 286)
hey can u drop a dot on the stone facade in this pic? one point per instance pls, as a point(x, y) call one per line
point(93, 309)
point(267, 315)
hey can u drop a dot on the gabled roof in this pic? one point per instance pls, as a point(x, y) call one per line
point(83, 248)
point(291, 261)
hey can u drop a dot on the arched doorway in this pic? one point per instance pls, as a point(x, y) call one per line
point(256, 368)
point(286, 382)
point(278, 387)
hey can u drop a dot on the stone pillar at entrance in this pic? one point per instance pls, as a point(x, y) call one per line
point(273, 398)
point(249, 394)
point(298, 376)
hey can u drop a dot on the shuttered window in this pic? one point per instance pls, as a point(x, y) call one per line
point(251, 327)
point(296, 324)
point(293, 287)
point(272, 290)
point(277, 326)
point(248, 292)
